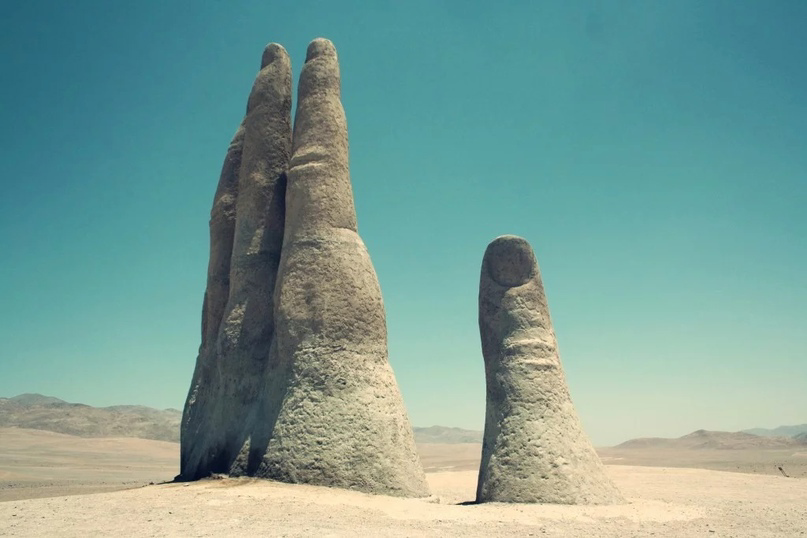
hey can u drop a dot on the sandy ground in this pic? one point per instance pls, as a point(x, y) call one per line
point(663, 501)
point(35, 463)
point(792, 462)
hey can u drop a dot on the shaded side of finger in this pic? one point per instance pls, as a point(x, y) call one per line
point(222, 234)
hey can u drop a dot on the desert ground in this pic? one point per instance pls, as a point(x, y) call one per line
point(59, 485)
point(36, 463)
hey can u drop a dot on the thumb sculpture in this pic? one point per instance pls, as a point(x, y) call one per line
point(292, 381)
point(534, 449)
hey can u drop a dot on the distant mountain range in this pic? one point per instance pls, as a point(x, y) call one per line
point(38, 412)
point(781, 431)
point(442, 434)
point(703, 439)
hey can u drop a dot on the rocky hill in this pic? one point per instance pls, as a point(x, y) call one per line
point(38, 412)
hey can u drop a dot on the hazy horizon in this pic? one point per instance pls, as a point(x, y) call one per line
point(652, 153)
point(764, 431)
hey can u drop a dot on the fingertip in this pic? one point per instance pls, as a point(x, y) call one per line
point(320, 73)
point(510, 261)
point(272, 52)
point(320, 47)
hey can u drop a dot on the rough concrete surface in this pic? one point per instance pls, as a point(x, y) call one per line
point(334, 414)
point(246, 234)
point(534, 448)
point(295, 385)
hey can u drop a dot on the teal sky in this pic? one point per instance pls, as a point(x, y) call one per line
point(652, 152)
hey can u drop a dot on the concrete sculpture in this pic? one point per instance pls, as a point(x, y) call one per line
point(534, 448)
point(295, 384)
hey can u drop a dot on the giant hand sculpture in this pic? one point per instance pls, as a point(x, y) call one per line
point(292, 381)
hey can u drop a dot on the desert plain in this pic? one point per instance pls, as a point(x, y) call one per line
point(53, 484)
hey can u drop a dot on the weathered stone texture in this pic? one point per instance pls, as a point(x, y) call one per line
point(305, 391)
point(341, 420)
point(246, 235)
point(534, 448)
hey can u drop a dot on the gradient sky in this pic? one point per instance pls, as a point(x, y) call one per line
point(652, 152)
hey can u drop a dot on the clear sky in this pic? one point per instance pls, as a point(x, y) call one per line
point(652, 152)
